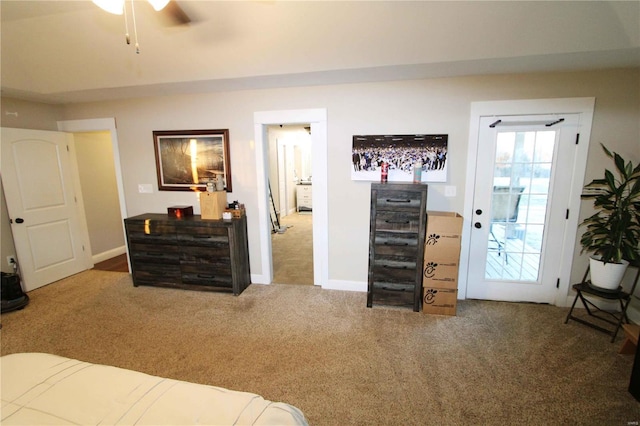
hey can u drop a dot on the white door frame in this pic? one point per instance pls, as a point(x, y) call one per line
point(99, 125)
point(582, 106)
point(317, 118)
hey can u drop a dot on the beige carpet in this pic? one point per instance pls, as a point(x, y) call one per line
point(292, 250)
point(338, 361)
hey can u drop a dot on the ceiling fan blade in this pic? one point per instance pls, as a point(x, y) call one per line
point(175, 15)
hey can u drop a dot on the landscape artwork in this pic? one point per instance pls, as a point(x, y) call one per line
point(188, 160)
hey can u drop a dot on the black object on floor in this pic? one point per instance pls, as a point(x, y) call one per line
point(13, 297)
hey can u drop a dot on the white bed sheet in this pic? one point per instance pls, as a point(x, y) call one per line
point(45, 389)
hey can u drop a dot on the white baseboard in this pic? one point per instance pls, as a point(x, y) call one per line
point(106, 255)
point(331, 285)
point(346, 285)
point(259, 279)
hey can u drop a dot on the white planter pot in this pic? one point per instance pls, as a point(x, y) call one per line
point(607, 276)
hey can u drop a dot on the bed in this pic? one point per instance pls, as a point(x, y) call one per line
point(48, 389)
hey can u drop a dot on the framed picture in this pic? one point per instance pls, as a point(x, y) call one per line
point(187, 159)
point(401, 153)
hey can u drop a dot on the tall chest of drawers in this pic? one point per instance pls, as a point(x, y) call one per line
point(396, 244)
point(189, 252)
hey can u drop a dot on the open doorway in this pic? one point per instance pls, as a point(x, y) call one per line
point(99, 168)
point(317, 118)
point(290, 192)
point(94, 154)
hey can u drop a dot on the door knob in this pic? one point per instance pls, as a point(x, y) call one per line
point(478, 211)
point(19, 220)
point(477, 225)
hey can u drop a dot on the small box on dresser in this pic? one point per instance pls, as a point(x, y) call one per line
point(212, 204)
point(189, 253)
point(396, 244)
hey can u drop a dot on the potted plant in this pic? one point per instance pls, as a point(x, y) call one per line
point(613, 233)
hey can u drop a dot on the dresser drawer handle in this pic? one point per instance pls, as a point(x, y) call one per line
point(398, 221)
point(205, 276)
point(394, 267)
point(202, 237)
point(391, 200)
point(396, 244)
point(393, 289)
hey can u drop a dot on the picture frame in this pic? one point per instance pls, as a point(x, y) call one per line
point(401, 153)
point(187, 159)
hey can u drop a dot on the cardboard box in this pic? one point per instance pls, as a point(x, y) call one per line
point(444, 231)
point(442, 250)
point(440, 273)
point(212, 204)
point(439, 301)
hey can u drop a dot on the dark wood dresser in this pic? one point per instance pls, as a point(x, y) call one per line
point(396, 244)
point(190, 252)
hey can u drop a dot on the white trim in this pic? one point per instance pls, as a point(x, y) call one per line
point(106, 255)
point(359, 286)
point(317, 118)
point(103, 124)
point(582, 106)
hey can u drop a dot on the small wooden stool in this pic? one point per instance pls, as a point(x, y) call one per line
point(631, 333)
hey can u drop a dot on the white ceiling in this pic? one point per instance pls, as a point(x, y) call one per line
point(71, 51)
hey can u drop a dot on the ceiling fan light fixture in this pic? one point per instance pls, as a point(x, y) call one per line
point(158, 5)
point(112, 6)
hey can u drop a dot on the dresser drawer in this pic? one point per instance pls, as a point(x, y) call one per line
point(215, 255)
point(398, 221)
point(393, 294)
point(386, 250)
point(154, 253)
point(204, 237)
point(398, 200)
point(394, 269)
point(151, 234)
point(394, 243)
point(156, 274)
point(208, 275)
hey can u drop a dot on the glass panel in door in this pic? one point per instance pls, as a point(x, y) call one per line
point(521, 178)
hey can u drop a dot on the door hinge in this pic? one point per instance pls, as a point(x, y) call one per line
point(558, 283)
point(67, 148)
point(567, 215)
point(577, 138)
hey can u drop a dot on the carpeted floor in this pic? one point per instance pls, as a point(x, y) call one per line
point(338, 361)
point(292, 250)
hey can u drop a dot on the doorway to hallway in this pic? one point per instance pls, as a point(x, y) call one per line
point(317, 120)
point(290, 190)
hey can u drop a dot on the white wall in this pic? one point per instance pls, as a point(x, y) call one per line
point(100, 193)
point(417, 106)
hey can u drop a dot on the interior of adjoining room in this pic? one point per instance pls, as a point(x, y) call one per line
point(291, 203)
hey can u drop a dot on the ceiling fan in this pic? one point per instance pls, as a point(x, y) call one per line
point(169, 8)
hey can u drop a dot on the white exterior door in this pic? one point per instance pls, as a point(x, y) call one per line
point(521, 203)
point(39, 178)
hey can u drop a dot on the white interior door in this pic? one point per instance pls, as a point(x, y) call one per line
point(522, 194)
point(49, 231)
